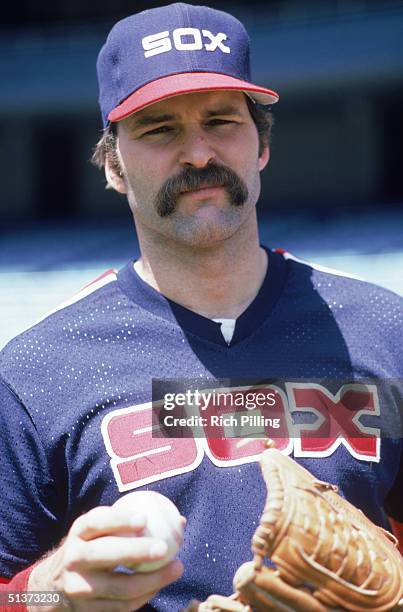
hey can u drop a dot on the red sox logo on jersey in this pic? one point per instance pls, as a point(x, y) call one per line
point(139, 458)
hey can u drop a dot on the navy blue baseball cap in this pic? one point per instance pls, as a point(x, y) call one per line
point(173, 50)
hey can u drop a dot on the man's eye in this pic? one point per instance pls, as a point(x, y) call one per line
point(163, 129)
point(218, 122)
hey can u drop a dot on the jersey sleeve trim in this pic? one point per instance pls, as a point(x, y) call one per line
point(18, 583)
point(318, 267)
point(104, 279)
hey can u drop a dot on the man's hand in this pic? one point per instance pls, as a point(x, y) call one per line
point(83, 567)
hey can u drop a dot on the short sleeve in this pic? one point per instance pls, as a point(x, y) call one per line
point(29, 503)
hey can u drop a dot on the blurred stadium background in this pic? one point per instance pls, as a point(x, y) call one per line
point(333, 192)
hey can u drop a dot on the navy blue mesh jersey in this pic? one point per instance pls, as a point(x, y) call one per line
point(75, 397)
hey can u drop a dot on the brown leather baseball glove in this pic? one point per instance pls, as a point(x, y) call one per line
point(328, 555)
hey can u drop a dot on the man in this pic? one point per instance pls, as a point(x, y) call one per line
point(185, 142)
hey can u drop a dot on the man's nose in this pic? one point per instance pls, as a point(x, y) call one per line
point(196, 150)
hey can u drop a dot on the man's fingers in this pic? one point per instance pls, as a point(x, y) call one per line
point(106, 520)
point(108, 552)
point(109, 586)
point(143, 585)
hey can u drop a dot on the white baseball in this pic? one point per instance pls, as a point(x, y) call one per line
point(164, 522)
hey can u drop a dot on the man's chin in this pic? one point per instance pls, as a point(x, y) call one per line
point(207, 226)
point(210, 213)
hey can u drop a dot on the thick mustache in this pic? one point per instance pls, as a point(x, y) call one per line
point(191, 179)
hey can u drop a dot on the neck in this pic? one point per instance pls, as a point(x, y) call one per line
point(218, 281)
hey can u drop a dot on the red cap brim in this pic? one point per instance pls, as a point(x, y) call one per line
point(188, 82)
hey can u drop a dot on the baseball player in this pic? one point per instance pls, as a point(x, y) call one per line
point(186, 135)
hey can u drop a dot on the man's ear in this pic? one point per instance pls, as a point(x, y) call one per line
point(114, 177)
point(264, 158)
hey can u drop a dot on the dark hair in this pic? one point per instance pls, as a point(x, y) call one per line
point(106, 147)
point(264, 121)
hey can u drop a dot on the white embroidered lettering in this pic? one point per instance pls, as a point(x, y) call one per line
point(156, 43)
point(184, 39)
point(216, 41)
point(194, 45)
